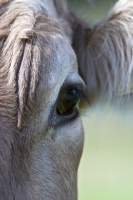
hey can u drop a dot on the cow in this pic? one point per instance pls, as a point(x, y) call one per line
point(49, 60)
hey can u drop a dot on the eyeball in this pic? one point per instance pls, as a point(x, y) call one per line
point(67, 101)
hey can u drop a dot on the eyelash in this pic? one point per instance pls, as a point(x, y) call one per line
point(82, 92)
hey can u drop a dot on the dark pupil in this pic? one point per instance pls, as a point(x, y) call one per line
point(68, 101)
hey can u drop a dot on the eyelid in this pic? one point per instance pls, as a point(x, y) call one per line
point(81, 89)
point(75, 81)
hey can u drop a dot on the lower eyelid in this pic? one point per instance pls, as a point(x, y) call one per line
point(64, 119)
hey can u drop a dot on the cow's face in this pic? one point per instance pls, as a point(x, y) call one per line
point(45, 88)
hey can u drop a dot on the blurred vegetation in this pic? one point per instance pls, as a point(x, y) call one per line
point(106, 169)
point(91, 10)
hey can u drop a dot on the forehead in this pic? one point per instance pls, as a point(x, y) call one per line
point(55, 45)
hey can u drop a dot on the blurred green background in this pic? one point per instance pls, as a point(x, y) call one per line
point(106, 168)
point(92, 10)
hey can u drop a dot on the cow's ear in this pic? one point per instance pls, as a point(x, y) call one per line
point(105, 52)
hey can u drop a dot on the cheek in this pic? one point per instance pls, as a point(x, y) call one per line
point(55, 160)
point(63, 145)
point(69, 143)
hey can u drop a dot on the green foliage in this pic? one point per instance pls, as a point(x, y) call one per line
point(105, 171)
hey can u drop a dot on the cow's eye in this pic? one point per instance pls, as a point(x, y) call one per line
point(68, 101)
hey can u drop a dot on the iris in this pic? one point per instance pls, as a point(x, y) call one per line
point(67, 101)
